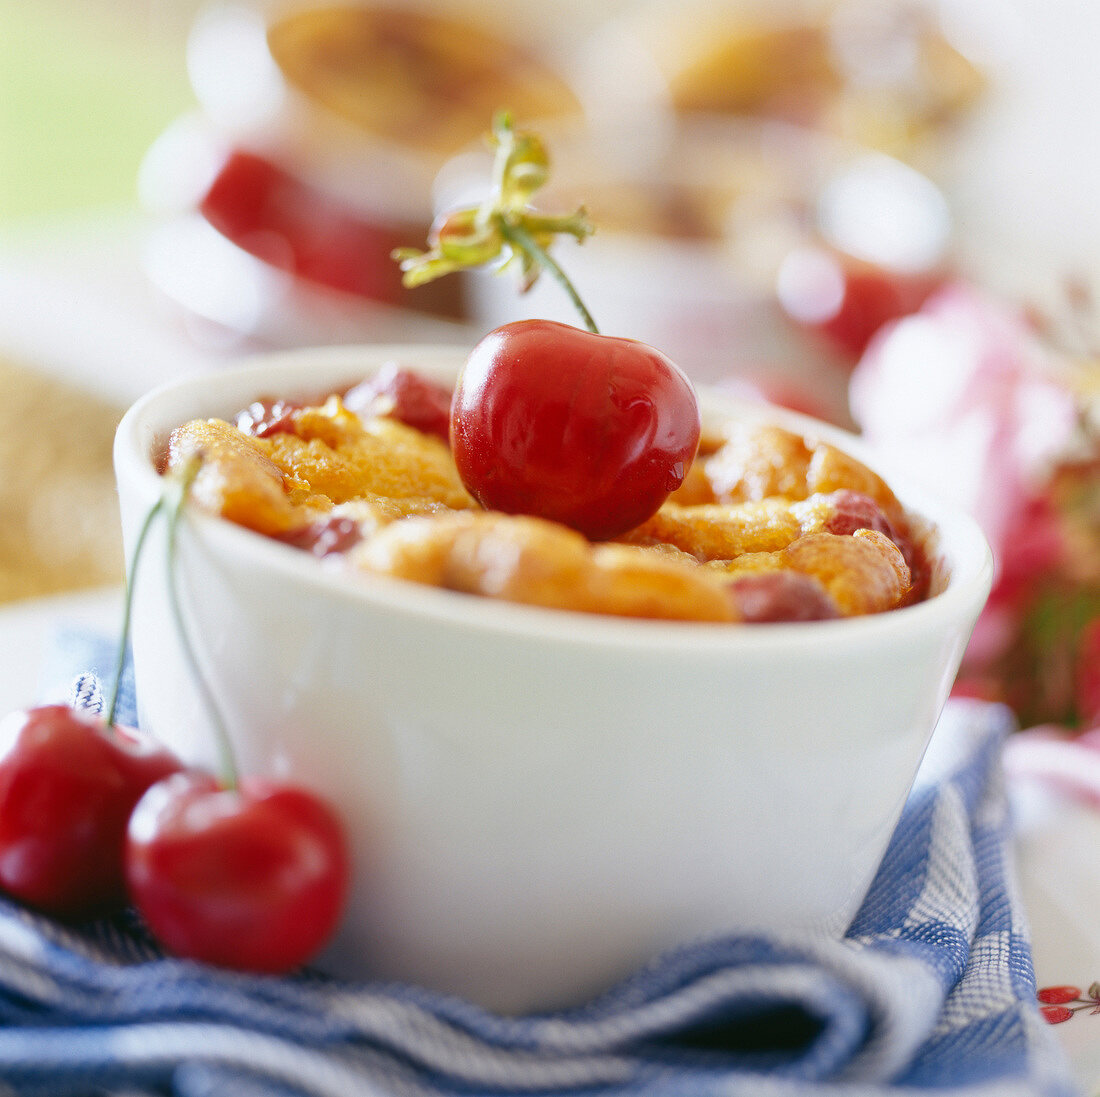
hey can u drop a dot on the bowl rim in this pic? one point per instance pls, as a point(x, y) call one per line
point(310, 371)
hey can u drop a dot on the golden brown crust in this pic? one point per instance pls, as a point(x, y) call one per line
point(530, 560)
point(723, 531)
point(811, 525)
point(757, 463)
point(831, 469)
point(695, 489)
point(763, 461)
point(287, 480)
point(239, 481)
point(342, 457)
point(716, 531)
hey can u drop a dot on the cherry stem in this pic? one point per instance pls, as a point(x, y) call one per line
point(127, 612)
point(181, 483)
point(520, 238)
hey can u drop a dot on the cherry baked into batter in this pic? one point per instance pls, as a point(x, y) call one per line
point(765, 525)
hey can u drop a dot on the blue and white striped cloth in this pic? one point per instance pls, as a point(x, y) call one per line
point(932, 992)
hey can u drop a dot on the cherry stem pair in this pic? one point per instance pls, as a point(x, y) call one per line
point(520, 238)
point(505, 221)
point(172, 500)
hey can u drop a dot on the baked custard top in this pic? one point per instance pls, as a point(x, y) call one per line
point(767, 526)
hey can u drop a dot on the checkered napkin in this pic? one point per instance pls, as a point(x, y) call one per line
point(931, 992)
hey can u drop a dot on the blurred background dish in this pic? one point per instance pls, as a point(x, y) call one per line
point(884, 74)
point(56, 487)
point(318, 132)
point(741, 227)
point(280, 149)
point(753, 252)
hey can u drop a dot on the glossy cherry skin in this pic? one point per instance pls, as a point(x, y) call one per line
point(593, 431)
point(68, 784)
point(253, 878)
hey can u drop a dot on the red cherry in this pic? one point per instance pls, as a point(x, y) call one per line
point(404, 395)
point(848, 301)
point(68, 783)
point(253, 878)
point(1058, 996)
point(332, 534)
point(852, 510)
point(776, 596)
point(276, 217)
point(872, 298)
point(263, 418)
point(1055, 1015)
point(593, 431)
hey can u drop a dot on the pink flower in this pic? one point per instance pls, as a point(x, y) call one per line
point(964, 398)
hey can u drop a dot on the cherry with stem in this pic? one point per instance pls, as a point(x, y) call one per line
point(504, 224)
point(69, 781)
point(518, 236)
point(586, 429)
point(179, 483)
point(249, 873)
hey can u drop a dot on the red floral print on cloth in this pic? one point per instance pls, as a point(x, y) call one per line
point(973, 399)
point(1060, 1003)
